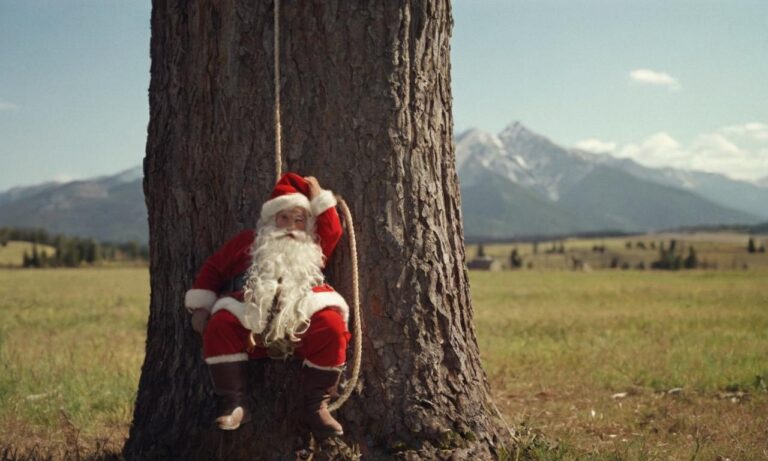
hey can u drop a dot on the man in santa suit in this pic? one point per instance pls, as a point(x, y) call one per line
point(263, 294)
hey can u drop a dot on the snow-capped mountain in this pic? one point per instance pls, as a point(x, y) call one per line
point(540, 187)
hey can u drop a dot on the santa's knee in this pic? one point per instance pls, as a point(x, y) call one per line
point(224, 335)
point(325, 343)
point(330, 322)
point(221, 323)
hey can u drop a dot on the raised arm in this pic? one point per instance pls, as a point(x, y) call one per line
point(327, 224)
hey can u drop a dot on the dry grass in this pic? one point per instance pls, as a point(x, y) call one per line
point(71, 347)
point(12, 254)
point(557, 346)
point(630, 365)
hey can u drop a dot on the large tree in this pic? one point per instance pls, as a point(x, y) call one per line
point(366, 102)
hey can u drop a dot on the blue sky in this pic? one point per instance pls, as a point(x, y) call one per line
point(678, 83)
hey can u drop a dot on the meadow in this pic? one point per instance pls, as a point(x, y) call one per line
point(71, 349)
point(630, 364)
point(607, 364)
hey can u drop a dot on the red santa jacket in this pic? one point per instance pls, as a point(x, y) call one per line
point(212, 289)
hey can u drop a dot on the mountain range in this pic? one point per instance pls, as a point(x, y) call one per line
point(107, 208)
point(516, 183)
point(521, 183)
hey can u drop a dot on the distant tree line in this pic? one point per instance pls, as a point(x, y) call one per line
point(673, 257)
point(71, 251)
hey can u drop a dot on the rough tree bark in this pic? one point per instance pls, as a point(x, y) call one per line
point(367, 109)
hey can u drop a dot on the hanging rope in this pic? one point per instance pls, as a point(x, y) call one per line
point(356, 324)
point(278, 127)
point(357, 330)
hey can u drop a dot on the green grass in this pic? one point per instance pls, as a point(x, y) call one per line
point(702, 330)
point(71, 347)
point(556, 345)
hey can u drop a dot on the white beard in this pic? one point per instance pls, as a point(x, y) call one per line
point(286, 264)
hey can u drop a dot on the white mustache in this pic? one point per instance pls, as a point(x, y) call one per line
point(294, 234)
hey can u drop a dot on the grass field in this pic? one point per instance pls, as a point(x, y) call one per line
point(71, 348)
point(640, 365)
point(606, 365)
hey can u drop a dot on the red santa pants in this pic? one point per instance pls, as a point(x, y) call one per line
point(324, 344)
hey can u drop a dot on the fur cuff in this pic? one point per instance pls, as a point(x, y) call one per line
point(322, 202)
point(339, 368)
point(232, 306)
point(319, 300)
point(197, 298)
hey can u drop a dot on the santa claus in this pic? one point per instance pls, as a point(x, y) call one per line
point(263, 295)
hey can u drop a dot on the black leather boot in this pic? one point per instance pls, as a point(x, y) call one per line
point(317, 388)
point(229, 385)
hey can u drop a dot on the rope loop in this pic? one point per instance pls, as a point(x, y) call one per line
point(357, 332)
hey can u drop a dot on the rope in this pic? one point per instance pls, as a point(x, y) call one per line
point(278, 127)
point(357, 331)
point(356, 324)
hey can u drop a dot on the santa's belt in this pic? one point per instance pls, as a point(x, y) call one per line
point(237, 283)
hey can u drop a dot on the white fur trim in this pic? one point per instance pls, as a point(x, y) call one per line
point(309, 364)
point(233, 306)
point(229, 358)
point(197, 298)
point(273, 206)
point(319, 300)
point(322, 202)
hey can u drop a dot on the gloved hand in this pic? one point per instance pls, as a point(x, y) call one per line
point(200, 320)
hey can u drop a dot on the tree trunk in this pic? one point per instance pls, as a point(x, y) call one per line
point(366, 105)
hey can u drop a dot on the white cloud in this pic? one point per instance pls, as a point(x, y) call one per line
point(596, 145)
point(5, 105)
point(754, 131)
point(652, 77)
point(739, 151)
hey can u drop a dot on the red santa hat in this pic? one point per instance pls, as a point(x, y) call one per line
point(292, 191)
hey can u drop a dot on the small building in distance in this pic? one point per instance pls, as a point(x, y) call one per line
point(484, 263)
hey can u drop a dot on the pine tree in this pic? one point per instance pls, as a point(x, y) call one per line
point(515, 261)
point(372, 71)
point(35, 260)
point(691, 261)
point(751, 245)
